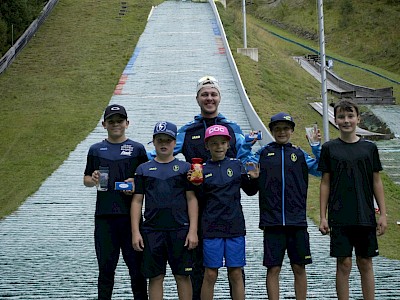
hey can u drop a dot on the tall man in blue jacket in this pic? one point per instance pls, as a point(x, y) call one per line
point(190, 142)
point(282, 186)
point(190, 139)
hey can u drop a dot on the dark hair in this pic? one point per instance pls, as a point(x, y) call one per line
point(345, 105)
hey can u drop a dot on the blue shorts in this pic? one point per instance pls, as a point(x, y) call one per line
point(233, 250)
point(294, 239)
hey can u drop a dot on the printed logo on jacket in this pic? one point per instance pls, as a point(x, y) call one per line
point(126, 150)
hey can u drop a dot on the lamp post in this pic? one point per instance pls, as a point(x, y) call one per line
point(324, 91)
point(250, 52)
point(244, 25)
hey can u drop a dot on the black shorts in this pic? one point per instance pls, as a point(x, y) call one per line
point(161, 247)
point(294, 239)
point(361, 238)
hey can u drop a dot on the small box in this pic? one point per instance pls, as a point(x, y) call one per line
point(251, 137)
point(124, 186)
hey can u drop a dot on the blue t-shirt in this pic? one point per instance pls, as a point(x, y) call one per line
point(122, 160)
point(164, 187)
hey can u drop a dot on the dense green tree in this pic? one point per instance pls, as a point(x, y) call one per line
point(15, 17)
point(3, 34)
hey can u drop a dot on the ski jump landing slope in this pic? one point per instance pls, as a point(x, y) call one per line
point(46, 247)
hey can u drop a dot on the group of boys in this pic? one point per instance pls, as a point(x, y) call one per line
point(198, 228)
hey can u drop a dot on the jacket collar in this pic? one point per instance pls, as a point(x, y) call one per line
point(276, 145)
point(200, 118)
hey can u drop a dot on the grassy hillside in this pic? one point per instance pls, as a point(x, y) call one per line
point(363, 30)
point(54, 92)
point(277, 83)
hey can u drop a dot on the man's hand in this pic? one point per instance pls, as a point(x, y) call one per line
point(255, 134)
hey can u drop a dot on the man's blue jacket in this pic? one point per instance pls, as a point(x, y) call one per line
point(190, 140)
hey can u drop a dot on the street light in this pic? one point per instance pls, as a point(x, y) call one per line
point(250, 52)
point(324, 91)
point(244, 25)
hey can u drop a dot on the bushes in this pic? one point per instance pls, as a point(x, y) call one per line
point(15, 17)
point(346, 11)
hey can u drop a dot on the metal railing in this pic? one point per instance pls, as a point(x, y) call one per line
point(12, 53)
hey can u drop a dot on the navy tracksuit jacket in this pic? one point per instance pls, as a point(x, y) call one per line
point(283, 183)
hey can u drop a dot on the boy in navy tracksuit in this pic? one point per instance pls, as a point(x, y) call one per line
point(282, 185)
point(169, 231)
point(112, 222)
point(222, 222)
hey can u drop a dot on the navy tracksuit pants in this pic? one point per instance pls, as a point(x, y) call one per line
point(113, 235)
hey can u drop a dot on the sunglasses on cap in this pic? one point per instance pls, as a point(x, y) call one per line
point(207, 80)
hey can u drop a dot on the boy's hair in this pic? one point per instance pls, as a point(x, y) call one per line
point(345, 105)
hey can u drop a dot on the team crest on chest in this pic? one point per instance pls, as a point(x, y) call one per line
point(293, 157)
point(175, 168)
point(229, 172)
point(195, 137)
point(126, 150)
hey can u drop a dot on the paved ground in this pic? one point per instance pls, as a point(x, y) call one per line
point(46, 247)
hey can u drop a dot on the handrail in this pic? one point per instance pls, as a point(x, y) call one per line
point(23, 40)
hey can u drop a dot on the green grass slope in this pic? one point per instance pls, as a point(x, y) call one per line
point(363, 30)
point(53, 93)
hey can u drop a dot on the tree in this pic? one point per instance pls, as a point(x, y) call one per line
point(15, 17)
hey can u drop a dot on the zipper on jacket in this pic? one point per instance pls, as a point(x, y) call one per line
point(283, 184)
